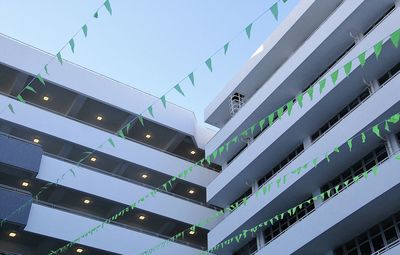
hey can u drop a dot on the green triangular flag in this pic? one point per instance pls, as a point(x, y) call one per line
point(215, 154)
point(46, 69)
point(394, 119)
point(261, 123)
point(252, 128)
point(20, 98)
point(363, 137)
point(150, 110)
point(335, 76)
point(96, 15)
point(59, 58)
point(378, 49)
point(322, 84)
point(226, 46)
point(398, 157)
point(11, 108)
point(271, 119)
point(110, 141)
point(30, 88)
point(327, 157)
point(178, 88)
point(209, 64)
point(280, 112)
point(140, 117)
point(72, 45)
point(315, 161)
point(248, 30)
point(336, 149)
point(244, 133)
point(347, 68)
point(40, 78)
point(121, 134)
point(164, 101)
point(85, 30)
point(387, 126)
point(221, 150)
point(235, 139)
point(395, 38)
point(289, 107)
point(361, 58)
point(191, 78)
point(310, 92)
point(108, 6)
point(274, 10)
point(376, 130)
point(300, 100)
point(350, 144)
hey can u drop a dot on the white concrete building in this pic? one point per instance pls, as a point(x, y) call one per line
point(317, 38)
point(75, 112)
point(78, 110)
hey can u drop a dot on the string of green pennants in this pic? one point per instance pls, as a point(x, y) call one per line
point(269, 222)
point(266, 188)
point(128, 126)
point(395, 36)
point(45, 69)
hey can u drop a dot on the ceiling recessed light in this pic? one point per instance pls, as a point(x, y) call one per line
point(142, 217)
point(192, 232)
point(145, 176)
point(25, 184)
point(99, 117)
point(148, 136)
point(86, 201)
point(46, 98)
point(79, 250)
point(193, 152)
point(36, 140)
point(12, 234)
point(93, 159)
point(191, 191)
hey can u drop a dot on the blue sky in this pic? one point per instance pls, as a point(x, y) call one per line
point(149, 45)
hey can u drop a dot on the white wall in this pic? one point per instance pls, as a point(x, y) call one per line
point(76, 132)
point(121, 191)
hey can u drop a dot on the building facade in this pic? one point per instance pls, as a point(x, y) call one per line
point(316, 39)
point(74, 113)
point(78, 110)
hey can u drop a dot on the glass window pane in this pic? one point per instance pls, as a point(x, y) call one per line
point(377, 242)
point(338, 251)
point(390, 235)
point(365, 249)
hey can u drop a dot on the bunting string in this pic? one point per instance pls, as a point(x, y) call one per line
point(377, 49)
point(279, 182)
point(45, 69)
point(186, 171)
point(279, 216)
point(128, 126)
point(394, 37)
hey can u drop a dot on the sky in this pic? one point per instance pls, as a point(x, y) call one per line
point(149, 45)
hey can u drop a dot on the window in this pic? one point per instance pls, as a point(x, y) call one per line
point(246, 194)
point(280, 226)
point(237, 101)
point(367, 162)
point(247, 249)
point(374, 239)
point(389, 74)
point(335, 119)
point(281, 164)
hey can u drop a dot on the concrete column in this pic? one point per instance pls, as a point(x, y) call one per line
point(392, 143)
point(260, 240)
point(307, 142)
point(254, 187)
point(374, 85)
point(319, 201)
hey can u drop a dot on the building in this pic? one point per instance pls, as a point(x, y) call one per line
point(317, 38)
point(75, 112)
